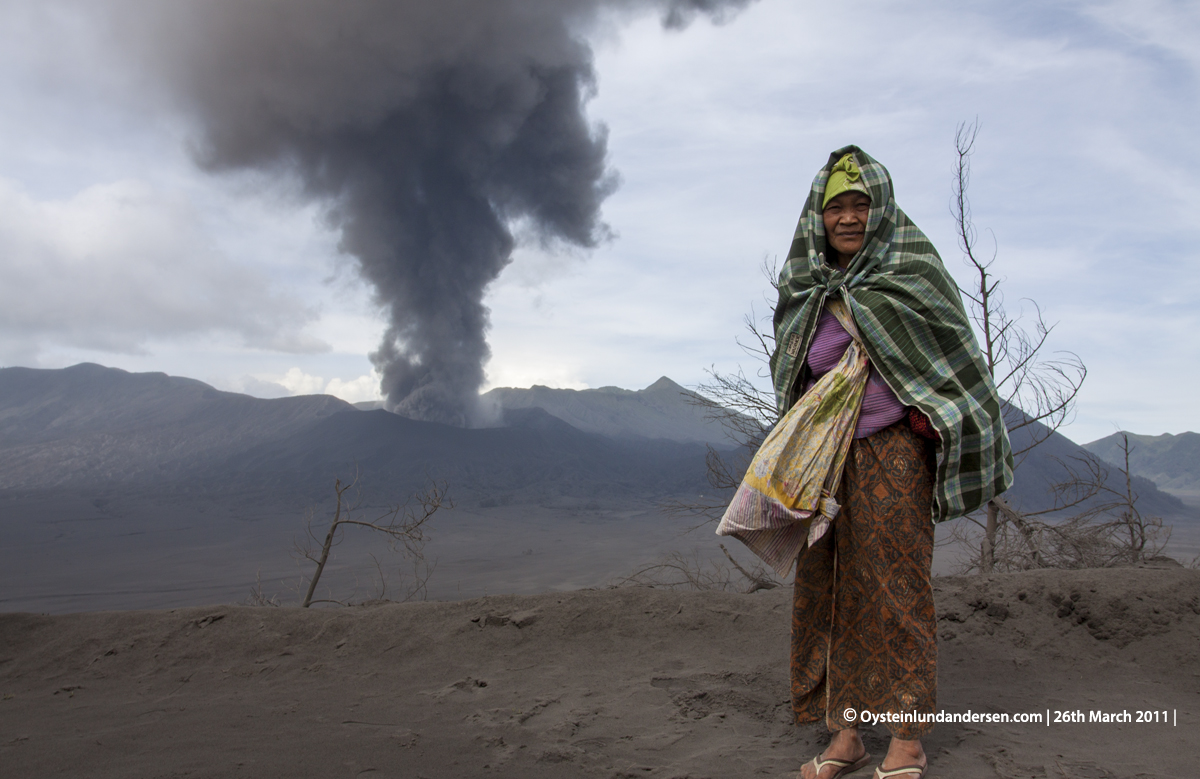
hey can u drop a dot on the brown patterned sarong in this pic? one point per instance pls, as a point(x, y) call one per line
point(864, 629)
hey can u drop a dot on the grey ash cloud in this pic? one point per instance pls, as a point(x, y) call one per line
point(428, 128)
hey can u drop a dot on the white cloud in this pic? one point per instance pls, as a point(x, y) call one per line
point(365, 387)
point(716, 134)
point(251, 385)
point(1170, 25)
point(120, 263)
point(525, 370)
point(296, 382)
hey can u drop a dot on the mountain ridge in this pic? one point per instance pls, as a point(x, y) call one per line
point(88, 426)
point(663, 409)
point(95, 424)
point(116, 485)
point(1171, 461)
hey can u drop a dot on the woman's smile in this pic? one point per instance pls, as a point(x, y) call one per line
point(845, 218)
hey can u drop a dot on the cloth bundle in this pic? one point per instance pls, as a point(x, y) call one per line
point(787, 495)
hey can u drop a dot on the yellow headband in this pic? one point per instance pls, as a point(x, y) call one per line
point(844, 176)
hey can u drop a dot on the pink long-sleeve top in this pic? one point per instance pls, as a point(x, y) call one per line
point(880, 407)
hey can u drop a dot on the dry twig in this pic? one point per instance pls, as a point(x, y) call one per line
point(403, 525)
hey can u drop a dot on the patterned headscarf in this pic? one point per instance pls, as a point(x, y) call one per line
point(844, 176)
point(916, 331)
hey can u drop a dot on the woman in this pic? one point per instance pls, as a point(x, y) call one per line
point(929, 445)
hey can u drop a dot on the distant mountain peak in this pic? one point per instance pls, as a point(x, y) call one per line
point(1172, 461)
point(665, 385)
point(662, 410)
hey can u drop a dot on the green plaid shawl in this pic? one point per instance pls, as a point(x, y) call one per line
point(911, 317)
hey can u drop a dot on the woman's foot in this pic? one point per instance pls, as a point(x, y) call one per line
point(903, 754)
point(846, 746)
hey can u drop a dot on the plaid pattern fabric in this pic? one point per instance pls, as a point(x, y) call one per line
point(915, 330)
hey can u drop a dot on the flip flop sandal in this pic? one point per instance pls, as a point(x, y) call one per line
point(919, 770)
point(844, 767)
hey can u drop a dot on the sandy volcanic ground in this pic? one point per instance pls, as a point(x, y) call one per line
point(592, 683)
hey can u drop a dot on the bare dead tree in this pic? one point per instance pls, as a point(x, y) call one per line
point(257, 597)
point(1018, 541)
point(759, 577)
point(1037, 388)
point(402, 524)
point(745, 410)
point(747, 413)
point(1109, 530)
point(678, 571)
point(1135, 537)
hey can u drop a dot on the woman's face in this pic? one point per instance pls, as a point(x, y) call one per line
point(846, 224)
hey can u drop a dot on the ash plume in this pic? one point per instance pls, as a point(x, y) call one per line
point(427, 128)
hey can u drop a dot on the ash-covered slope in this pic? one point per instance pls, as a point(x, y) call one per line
point(593, 684)
point(88, 425)
point(120, 489)
point(664, 410)
point(536, 457)
point(1047, 464)
point(1170, 461)
point(667, 411)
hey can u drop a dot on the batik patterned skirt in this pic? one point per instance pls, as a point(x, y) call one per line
point(864, 629)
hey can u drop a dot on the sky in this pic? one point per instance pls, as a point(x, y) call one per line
point(117, 248)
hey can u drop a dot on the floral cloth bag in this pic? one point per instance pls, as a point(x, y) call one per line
point(786, 497)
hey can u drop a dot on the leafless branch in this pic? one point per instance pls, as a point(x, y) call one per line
point(1107, 528)
point(677, 571)
point(257, 597)
point(1037, 390)
point(759, 578)
point(402, 524)
point(745, 410)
